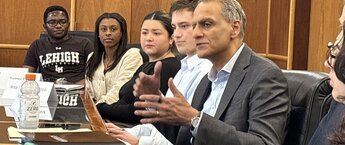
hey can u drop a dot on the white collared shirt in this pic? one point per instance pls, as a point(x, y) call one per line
point(193, 69)
point(148, 135)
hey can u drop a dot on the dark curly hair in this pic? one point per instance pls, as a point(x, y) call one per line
point(54, 8)
point(338, 138)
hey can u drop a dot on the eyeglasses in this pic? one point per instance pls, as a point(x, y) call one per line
point(333, 51)
point(53, 23)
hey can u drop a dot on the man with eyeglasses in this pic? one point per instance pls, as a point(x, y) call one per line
point(60, 55)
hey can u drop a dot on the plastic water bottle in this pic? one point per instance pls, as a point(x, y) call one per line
point(29, 103)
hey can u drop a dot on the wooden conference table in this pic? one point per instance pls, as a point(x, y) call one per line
point(69, 118)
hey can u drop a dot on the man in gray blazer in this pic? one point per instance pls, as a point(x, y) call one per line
point(247, 101)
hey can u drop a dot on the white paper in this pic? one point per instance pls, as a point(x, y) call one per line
point(17, 132)
point(69, 87)
point(48, 100)
point(47, 92)
point(9, 73)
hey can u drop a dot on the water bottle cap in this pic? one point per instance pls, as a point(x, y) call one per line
point(30, 77)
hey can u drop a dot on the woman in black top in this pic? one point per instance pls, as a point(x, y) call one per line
point(157, 42)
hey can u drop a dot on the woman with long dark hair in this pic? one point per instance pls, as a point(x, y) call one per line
point(337, 76)
point(157, 42)
point(332, 126)
point(112, 63)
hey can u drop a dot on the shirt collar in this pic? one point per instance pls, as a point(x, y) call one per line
point(227, 68)
point(188, 63)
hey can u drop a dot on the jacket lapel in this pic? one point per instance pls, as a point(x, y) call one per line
point(200, 91)
point(237, 75)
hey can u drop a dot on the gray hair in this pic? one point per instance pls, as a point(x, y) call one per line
point(231, 11)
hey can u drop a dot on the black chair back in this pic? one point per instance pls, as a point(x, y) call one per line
point(310, 100)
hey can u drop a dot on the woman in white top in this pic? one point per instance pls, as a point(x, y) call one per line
point(112, 63)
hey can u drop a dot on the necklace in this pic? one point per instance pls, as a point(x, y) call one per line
point(107, 63)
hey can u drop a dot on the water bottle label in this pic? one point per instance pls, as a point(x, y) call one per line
point(32, 107)
point(32, 110)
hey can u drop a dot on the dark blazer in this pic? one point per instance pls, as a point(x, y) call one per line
point(253, 109)
point(329, 124)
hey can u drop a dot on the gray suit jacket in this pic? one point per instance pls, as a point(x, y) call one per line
point(253, 109)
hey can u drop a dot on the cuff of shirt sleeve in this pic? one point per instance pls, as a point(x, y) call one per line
point(145, 140)
point(195, 130)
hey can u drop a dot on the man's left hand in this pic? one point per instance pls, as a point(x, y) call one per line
point(172, 110)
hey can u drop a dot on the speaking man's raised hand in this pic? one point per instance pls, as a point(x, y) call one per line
point(148, 84)
point(172, 110)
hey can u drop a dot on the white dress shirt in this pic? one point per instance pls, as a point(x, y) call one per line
point(193, 69)
point(148, 135)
